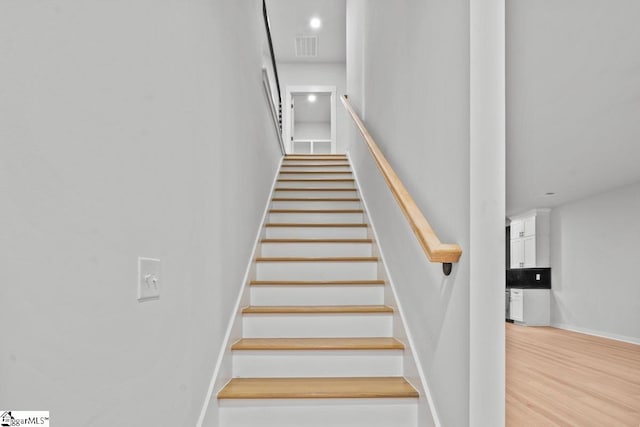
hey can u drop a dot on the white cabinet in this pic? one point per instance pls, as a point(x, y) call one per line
point(517, 253)
point(530, 307)
point(529, 257)
point(524, 253)
point(523, 226)
point(530, 239)
point(517, 229)
point(529, 225)
point(516, 306)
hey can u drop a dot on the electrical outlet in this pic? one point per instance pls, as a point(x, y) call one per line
point(148, 279)
point(537, 276)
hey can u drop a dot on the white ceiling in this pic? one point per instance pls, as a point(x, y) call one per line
point(290, 18)
point(573, 99)
point(318, 111)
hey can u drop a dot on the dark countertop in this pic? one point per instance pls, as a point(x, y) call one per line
point(528, 278)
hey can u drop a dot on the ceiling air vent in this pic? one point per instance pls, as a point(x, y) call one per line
point(306, 46)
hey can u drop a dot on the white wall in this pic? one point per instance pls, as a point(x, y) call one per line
point(356, 73)
point(595, 247)
point(426, 91)
point(312, 130)
point(115, 126)
point(319, 74)
point(573, 90)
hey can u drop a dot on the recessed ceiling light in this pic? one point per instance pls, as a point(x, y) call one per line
point(315, 23)
point(311, 98)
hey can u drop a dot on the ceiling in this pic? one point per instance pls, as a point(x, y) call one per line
point(573, 100)
point(318, 111)
point(290, 18)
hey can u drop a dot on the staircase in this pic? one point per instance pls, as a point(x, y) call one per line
point(318, 346)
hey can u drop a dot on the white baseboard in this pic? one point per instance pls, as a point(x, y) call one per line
point(616, 337)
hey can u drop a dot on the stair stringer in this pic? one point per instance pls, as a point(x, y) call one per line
point(222, 372)
point(413, 372)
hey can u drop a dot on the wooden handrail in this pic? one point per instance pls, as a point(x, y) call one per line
point(435, 250)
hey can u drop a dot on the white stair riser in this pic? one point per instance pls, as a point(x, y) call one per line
point(323, 218)
point(317, 205)
point(317, 325)
point(321, 363)
point(316, 270)
point(345, 168)
point(306, 193)
point(316, 232)
point(315, 249)
point(318, 175)
point(317, 295)
point(316, 184)
point(317, 172)
point(320, 413)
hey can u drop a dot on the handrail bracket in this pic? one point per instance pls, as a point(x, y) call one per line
point(446, 268)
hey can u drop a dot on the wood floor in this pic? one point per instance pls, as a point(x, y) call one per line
point(561, 378)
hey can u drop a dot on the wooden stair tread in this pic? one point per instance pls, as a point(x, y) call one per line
point(315, 282)
point(319, 211)
point(315, 309)
point(316, 162)
point(315, 158)
point(286, 156)
point(316, 240)
point(320, 165)
point(382, 343)
point(316, 172)
point(317, 259)
point(314, 199)
point(316, 180)
point(318, 388)
point(307, 156)
point(306, 224)
point(313, 189)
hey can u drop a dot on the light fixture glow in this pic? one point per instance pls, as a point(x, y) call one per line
point(311, 98)
point(315, 23)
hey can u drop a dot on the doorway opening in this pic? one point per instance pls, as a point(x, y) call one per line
point(310, 120)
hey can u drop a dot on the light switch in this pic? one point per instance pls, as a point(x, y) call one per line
point(537, 276)
point(148, 279)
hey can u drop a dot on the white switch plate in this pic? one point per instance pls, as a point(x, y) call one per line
point(148, 279)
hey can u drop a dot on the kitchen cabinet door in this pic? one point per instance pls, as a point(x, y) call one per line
point(529, 252)
point(516, 307)
point(529, 226)
point(517, 254)
point(517, 229)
